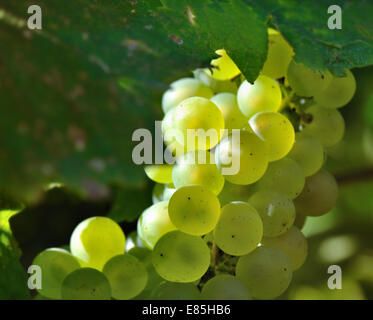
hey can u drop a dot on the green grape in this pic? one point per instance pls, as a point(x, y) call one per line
point(300, 220)
point(168, 192)
point(161, 173)
point(127, 276)
point(55, 265)
point(239, 230)
point(131, 240)
point(279, 55)
point(176, 291)
point(327, 125)
point(198, 167)
point(154, 223)
point(204, 75)
point(266, 272)
point(276, 131)
point(225, 287)
point(283, 176)
point(234, 192)
point(183, 89)
point(180, 257)
point(142, 254)
point(154, 279)
point(276, 210)
point(224, 67)
point(95, 240)
point(319, 195)
point(308, 153)
point(338, 92)
point(227, 103)
point(194, 210)
point(157, 193)
point(304, 81)
point(202, 116)
point(263, 95)
point(293, 244)
point(86, 284)
point(244, 161)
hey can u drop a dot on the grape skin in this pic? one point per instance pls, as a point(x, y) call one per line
point(96, 240)
point(279, 55)
point(182, 89)
point(225, 287)
point(276, 131)
point(198, 113)
point(198, 167)
point(263, 95)
point(179, 257)
point(308, 153)
point(55, 265)
point(283, 176)
point(327, 125)
point(338, 92)
point(276, 210)
point(305, 82)
point(251, 154)
point(293, 244)
point(266, 272)
point(86, 284)
point(194, 210)
point(176, 291)
point(154, 223)
point(239, 230)
point(161, 173)
point(127, 276)
point(319, 196)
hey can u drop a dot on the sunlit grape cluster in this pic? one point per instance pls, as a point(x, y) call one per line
point(212, 235)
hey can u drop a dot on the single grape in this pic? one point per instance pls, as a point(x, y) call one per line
point(198, 167)
point(180, 257)
point(176, 291)
point(157, 193)
point(55, 264)
point(204, 75)
point(86, 284)
point(224, 67)
point(95, 240)
point(263, 95)
point(244, 161)
point(182, 89)
point(266, 272)
point(161, 173)
point(308, 153)
point(279, 55)
point(234, 192)
point(154, 223)
point(225, 287)
point(194, 210)
point(327, 125)
point(319, 195)
point(338, 92)
point(293, 244)
point(233, 117)
point(276, 210)
point(142, 254)
point(276, 131)
point(304, 81)
point(200, 123)
point(127, 276)
point(283, 176)
point(239, 230)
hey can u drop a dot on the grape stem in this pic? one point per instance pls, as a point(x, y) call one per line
point(354, 177)
point(214, 254)
point(287, 100)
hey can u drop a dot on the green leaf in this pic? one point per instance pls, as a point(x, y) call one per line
point(129, 203)
point(13, 278)
point(206, 26)
point(305, 27)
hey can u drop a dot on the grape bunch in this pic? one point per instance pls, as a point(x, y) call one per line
point(211, 234)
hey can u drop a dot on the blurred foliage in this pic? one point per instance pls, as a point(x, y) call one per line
point(72, 94)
